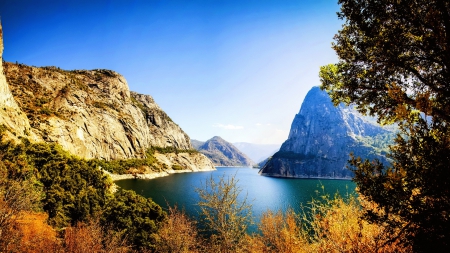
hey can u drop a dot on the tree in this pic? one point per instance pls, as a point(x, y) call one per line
point(137, 217)
point(178, 233)
point(224, 216)
point(394, 63)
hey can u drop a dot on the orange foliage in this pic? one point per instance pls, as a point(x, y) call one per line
point(36, 234)
point(178, 233)
point(330, 225)
point(92, 237)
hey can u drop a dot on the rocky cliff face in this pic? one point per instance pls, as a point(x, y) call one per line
point(223, 153)
point(322, 137)
point(12, 118)
point(91, 114)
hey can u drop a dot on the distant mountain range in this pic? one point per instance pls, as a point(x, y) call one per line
point(257, 152)
point(222, 153)
point(321, 138)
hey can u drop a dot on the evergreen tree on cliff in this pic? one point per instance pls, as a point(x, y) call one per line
point(394, 63)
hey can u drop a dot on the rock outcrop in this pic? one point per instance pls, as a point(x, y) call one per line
point(322, 137)
point(223, 153)
point(90, 113)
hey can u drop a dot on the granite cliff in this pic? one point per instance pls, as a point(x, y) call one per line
point(90, 113)
point(223, 153)
point(321, 138)
point(12, 118)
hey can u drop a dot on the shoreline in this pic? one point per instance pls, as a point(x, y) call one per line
point(304, 177)
point(117, 177)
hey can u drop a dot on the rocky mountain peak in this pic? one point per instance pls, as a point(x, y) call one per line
point(321, 138)
point(223, 153)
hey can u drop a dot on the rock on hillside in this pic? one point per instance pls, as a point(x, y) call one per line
point(223, 153)
point(321, 138)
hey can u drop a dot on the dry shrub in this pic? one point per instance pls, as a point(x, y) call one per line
point(279, 233)
point(177, 234)
point(36, 235)
point(336, 225)
point(92, 237)
point(328, 225)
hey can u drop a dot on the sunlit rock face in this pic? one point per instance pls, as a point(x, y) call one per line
point(322, 137)
point(90, 113)
point(12, 119)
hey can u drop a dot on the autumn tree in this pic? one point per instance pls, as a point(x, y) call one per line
point(225, 216)
point(394, 63)
point(178, 233)
point(19, 191)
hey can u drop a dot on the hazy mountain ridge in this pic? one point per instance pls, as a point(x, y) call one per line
point(257, 152)
point(223, 153)
point(196, 143)
point(321, 138)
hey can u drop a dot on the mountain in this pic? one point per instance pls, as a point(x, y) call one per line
point(196, 144)
point(321, 138)
point(257, 152)
point(223, 153)
point(90, 113)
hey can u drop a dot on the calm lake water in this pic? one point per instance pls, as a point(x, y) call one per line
point(264, 193)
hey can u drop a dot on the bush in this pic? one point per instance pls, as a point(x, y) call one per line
point(137, 217)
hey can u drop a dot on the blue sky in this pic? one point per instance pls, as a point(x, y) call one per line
point(236, 69)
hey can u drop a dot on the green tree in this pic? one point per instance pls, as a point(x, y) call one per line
point(394, 63)
point(137, 217)
point(225, 217)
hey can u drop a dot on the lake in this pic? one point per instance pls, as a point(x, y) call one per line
point(264, 193)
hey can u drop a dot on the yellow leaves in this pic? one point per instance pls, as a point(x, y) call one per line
point(282, 232)
point(330, 77)
point(335, 226)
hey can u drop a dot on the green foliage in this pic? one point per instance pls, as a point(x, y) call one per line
point(100, 105)
point(380, 142)
point(177, 167)
point(139, 105)
point(45, 111)
point(121, 166)
point(74, 190)
point(19, 191)
point(394, 64)
point(172, 149)
point(137, 217)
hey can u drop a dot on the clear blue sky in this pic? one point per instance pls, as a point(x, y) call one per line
point(237, 69)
